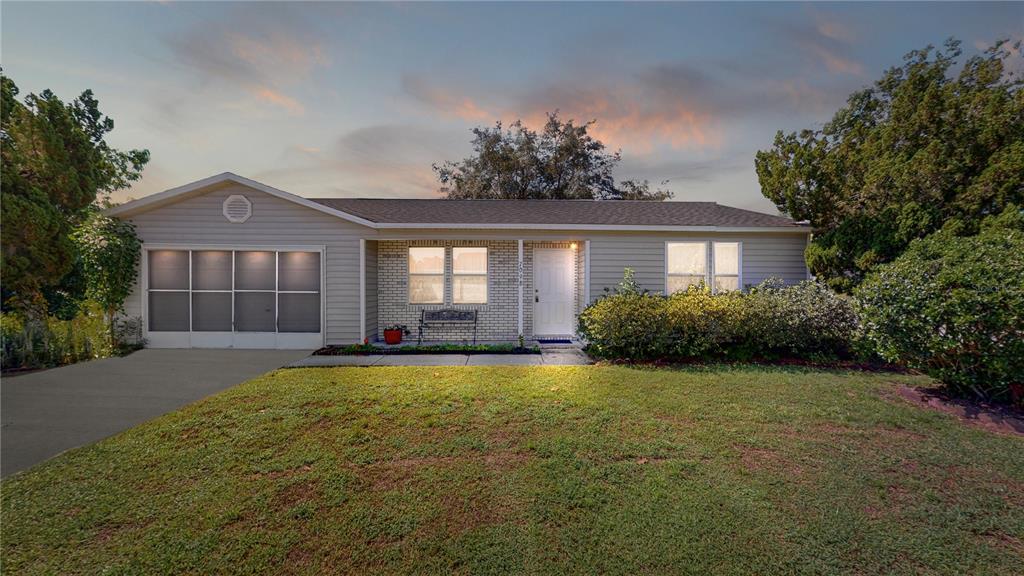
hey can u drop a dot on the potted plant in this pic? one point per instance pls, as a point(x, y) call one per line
point(393, 333)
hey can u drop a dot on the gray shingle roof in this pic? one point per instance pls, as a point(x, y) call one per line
point(554, 212)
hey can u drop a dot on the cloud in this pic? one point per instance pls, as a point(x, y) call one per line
point(278, 99)
point(826, 41)
point(385, 160)
point(265, 55)
point(458, 106)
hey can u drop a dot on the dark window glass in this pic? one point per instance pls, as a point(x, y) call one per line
point(298, 313)
point(211, 311)
point(168, 311)
point(168, 270)
point(254, 311)
point(298, 271)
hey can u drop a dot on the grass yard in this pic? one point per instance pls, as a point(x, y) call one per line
point(547, 470)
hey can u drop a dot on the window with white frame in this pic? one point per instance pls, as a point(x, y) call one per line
point(469, 275)
point(726, 266)
point(686, 265)
point(426, 275)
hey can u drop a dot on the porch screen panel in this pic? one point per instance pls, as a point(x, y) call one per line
point(256, 291)
point(168, 290)
point(211, 311)
point(211, 270)
point(298, 312)
point(298, 295)
point(255, 312)
point(168, 311)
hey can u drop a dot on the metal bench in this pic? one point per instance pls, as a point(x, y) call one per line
point(446, 317)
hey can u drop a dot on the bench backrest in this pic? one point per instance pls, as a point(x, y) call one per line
point(449, 315)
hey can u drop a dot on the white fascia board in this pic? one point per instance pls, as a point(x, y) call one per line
point(594, 227)
point(161, 198)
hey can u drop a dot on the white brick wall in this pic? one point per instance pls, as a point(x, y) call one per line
point(496, 320)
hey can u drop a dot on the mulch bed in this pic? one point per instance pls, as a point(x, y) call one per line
point(991, 417)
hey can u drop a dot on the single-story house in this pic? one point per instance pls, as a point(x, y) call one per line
point(230, 262)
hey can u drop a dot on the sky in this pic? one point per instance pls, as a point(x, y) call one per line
point(359, 100)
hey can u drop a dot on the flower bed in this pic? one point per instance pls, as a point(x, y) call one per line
point(371, 349)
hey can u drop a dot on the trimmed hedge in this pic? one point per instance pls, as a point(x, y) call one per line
point(805, 321)
point(953, 307)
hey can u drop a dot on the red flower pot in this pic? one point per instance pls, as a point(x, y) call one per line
point(392, 336)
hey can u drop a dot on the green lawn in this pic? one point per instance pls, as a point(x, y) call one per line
point(550, 470)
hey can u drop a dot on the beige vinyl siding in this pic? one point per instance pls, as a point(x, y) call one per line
point(764, 255)
point(199, 220)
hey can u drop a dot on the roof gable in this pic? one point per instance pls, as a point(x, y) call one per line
point(205, 185)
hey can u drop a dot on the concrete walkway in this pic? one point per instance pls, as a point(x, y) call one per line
point(45, 413)
point(555, 357)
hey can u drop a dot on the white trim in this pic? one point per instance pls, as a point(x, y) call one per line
point(586, 273)
point(167, 196)
point(519, 284)
point(362, 290)
point(596, 227)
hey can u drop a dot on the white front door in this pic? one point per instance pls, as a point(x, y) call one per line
point(553, 292)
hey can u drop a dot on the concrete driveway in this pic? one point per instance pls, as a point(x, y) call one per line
point(45, 413)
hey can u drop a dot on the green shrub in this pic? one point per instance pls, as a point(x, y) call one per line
point(43, 343)
point(771, 321)
point(954, 307)
point(807, 320)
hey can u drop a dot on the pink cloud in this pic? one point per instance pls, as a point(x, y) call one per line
point(276, 98)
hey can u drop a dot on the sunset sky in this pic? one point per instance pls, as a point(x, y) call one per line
point(360, 99)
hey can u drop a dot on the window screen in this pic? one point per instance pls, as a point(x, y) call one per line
point(254, 271)
point(298, 271)
point(211, 311)
point(168, 270)
point(254, 311)
point(686, 265)
point(211, 270)
point(168, 311)
point(298, 312)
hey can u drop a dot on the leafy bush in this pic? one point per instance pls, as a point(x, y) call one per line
point(771, 321)
point(954, 307)
point(47, 342)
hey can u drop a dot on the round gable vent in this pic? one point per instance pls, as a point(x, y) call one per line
point(237, 208)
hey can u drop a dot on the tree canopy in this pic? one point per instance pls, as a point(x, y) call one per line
point(562, 161)
point(56, 164)
point(920, 150)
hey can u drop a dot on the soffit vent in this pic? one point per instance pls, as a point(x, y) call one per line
point(237, 208)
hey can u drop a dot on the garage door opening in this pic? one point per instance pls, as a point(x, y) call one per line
point(238, 298)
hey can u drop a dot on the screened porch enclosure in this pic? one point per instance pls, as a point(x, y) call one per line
point(242, 297)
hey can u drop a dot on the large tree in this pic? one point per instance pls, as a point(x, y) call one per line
point(56, 163)
point(922, 149)
point(561, 161)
